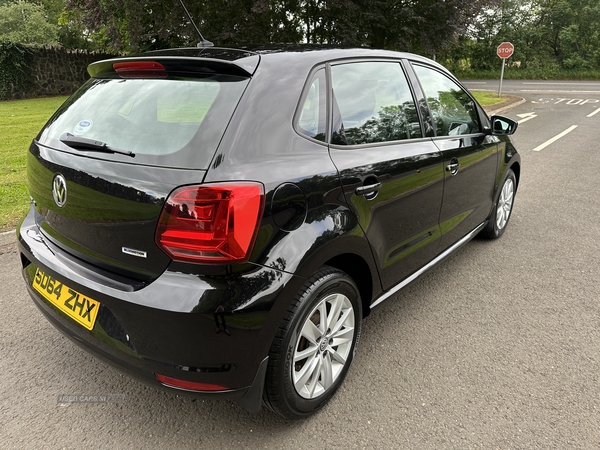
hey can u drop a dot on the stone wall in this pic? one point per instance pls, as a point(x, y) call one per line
point(56, 71)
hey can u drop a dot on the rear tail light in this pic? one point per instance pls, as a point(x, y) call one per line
point(189, 385)
point(212, 223)
point(140, 69)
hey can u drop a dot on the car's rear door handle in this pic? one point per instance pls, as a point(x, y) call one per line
point(368, 189)
point(453, 166)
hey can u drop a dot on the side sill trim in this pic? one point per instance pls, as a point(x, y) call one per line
point(428, 266)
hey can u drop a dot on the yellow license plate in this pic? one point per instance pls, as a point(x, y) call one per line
point(78, 307)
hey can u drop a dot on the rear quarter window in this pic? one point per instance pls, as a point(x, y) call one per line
point(311, 119)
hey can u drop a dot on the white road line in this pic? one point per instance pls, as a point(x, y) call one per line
point(567, 84)
point(537, 91)
point(554, 139)
point(594, 113)
point(526, 119)
point(526, 116)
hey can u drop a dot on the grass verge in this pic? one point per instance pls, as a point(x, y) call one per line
point(486, 98)
point(20, 122)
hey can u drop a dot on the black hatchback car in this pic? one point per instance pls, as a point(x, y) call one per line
point(219, 221)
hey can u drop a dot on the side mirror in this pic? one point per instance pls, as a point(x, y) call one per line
point(503, 126)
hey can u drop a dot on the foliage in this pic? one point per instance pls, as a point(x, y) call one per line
point(43, 22)
point(14, 67)
point(72, 32)
point(573, 33)
point(427, 25)
point(550, 36)
point(26, 23)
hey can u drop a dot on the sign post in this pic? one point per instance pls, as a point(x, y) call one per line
point(504, 51)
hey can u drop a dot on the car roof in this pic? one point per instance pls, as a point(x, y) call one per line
point(248, 57)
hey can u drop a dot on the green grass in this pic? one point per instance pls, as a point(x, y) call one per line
point(20, 122)
point(486, 98)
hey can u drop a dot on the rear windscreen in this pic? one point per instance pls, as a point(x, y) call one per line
point(166, 122)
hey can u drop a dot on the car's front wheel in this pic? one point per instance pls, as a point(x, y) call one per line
point(314, 346)
point(503, 207)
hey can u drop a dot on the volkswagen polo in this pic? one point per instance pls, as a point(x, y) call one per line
point(220, 221)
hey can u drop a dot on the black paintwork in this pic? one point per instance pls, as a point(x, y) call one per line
point(215, 323)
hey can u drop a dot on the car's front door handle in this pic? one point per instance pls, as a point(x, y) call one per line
point(368, 189)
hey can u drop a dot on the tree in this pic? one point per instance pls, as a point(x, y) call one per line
point(516, 21)
point(26, 23)
point(130, 25)
point(425, 25)
point(547, 34)
point(572, 32)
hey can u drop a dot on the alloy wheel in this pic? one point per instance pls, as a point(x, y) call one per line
point(323, 346)
point(505, 204)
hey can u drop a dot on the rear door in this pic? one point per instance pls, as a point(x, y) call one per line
point(470, 156)
point(391, 172)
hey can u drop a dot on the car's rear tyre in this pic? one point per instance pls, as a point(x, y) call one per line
point(502, 208)
point(314, 345)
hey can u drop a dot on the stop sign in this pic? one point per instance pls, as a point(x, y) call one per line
point(505, 50)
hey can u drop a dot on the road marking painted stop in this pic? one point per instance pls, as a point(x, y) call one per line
point(567, 101)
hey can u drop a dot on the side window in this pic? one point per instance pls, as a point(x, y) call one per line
point(312, 113)
point(454, 112)
point(374, 102)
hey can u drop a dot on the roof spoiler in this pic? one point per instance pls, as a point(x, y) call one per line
point(162, 66)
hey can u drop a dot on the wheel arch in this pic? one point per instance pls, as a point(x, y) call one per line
point(516, 168)
point(357, 269)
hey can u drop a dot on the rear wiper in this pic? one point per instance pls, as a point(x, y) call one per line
point(81, 143)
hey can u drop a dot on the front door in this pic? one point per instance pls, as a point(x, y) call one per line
point(470, 157)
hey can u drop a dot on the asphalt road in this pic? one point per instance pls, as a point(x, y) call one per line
point(497, 347)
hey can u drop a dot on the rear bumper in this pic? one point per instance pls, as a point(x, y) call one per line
point(207, 330)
